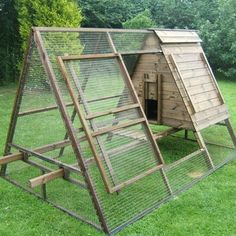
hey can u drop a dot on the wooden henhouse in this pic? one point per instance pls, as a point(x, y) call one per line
point(98, 120)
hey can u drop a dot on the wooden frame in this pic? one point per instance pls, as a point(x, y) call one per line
point(90, 135)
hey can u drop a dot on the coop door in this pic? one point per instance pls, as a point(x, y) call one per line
point(151, 100)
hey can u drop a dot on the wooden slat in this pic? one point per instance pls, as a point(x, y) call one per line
point(231, 131)
point(183, 49)
point(204, 96)
point(43, 149)
point(130, 134)
point(212, 120)
point(187, 58)
point(194, 73)
point(113, 111)
point(190, 65)
point(81, 29)
point(41, 110)
point(88, 56)
point(43, 179)
point(153, 51)
point(203, 146)
point(171, 121)
point(53, 146)
point(184, 116)
point(183, 159)
point(166, 133)
point(178, 37)
point(115, 127)
point(170, 87)
point(11, 158)
point(136, 178)
point(171, 96)
point(201, 89)
point(205, 105)
point(159, 97)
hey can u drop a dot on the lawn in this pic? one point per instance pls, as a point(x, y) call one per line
point(206, 209)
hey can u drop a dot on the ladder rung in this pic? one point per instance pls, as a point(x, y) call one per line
point(115, 110)
point(115, 127)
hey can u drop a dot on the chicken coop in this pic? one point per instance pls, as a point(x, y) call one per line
point(108, 124)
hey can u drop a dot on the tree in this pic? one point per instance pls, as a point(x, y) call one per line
point(142, 20)
point(106, 13)
point(63, 13)
point(9, 42)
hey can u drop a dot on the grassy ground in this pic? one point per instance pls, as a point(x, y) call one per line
point(206, 209)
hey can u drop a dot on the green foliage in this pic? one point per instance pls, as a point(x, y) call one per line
point(63, 13)
point(105, 13)
point(181, 216)
point(172, 13)
point(142, 20)
point(9, 42)
point(218, 31)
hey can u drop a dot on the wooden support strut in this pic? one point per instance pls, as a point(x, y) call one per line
point(43, 179)
point(166, 133)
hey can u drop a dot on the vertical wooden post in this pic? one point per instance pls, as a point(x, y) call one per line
point(43, 189)
point(159, 99)
point(231, 131)
point(186, 134)
point(202, 145)
point(17, 102)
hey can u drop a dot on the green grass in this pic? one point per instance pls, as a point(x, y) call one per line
point(206, 209)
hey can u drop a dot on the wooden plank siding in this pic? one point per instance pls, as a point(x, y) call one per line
point(178, 36)
point(173, 110)
point(200, 87)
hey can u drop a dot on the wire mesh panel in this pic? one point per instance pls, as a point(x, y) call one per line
point(117, 115)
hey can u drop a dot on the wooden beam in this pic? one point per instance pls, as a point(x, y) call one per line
point(10, 158)
point(63, 29)
point(25, 113)
point(88, 56)
point(166, 133)
point(136, 178)
point(153, 51)
point(113, 111)
point(43, 179)
point(53, 146)
point(115, 127)
point(159, 98)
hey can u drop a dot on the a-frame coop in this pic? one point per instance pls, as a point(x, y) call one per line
point(79, 135)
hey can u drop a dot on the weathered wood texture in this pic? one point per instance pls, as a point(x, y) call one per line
point(178, 36)
point(171, 108)
point(196, 84)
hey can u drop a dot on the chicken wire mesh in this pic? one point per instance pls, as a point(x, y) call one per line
point(129, 150)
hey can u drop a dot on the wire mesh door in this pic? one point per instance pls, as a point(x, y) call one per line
point(112, 119)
